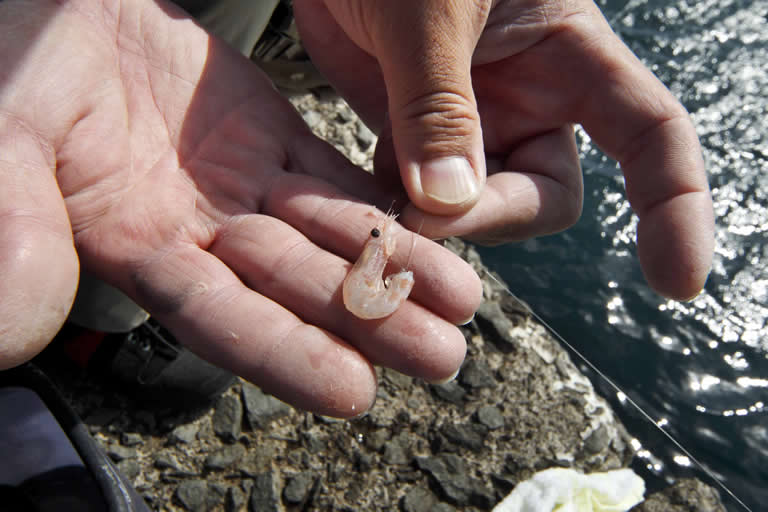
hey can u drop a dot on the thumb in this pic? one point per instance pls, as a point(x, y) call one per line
point(425, 52)
point(38, 263)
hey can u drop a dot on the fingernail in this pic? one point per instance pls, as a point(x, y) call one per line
point(448, 379)
point(449, 180)
point(468, 320)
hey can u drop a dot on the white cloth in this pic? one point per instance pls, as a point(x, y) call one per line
point(567, 490)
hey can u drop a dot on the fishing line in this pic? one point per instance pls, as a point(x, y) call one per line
point(628, 399)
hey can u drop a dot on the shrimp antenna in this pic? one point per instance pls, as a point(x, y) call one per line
point(414, 239)
point(391, 209)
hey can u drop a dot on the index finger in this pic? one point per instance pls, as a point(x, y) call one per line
point(635, 119)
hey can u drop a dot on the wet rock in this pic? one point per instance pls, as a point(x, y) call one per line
point(496, 327)
point(476, 374)
point(418, 499)
point(191, 495)
point(261, 409)
point(297, 489)
point(184, 434)
point(490, 416)
point(224, 457)
point(450, 392)
point(469, 435)
point(264, 496)
point(131, 439)
point(227, 418)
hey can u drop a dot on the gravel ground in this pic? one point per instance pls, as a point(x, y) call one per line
point(518, 406)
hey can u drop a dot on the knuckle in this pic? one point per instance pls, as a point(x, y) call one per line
point(452, 113)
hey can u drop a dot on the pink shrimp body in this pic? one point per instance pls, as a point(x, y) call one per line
point(366, 295)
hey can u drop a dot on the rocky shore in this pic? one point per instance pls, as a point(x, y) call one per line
point(519, 405)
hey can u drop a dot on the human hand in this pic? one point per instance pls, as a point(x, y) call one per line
point(435, 75)
point(180, 176)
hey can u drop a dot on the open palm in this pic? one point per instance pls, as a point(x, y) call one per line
point(189, 183)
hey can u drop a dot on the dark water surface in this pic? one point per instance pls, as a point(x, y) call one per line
point(700, 368)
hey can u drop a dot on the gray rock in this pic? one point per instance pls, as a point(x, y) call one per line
point(397, 379)
point(312, 118)
point(130, 468)
point(375, 440)
point(118, 453)
point(234, 500)
point(224, 457)
point(313, 443)
point(684, 495)
point(450, 392)
point(395, 452)
point(597, 441)
point(450, 473)
point(363, 461)
point(264, 497)
point(167, 459)
point(365, 137)
point(216, 495)
point(476, 374)
point(469, 435)
point(256, 462)
point(496, 326)
point(184, 433)
point(227, 418)
point(261, 409)
point(131, 439)
point(297, 489)
point(418, 499)
point(490, 416)
point(192, 494)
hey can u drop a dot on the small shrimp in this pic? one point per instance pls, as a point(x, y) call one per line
point(366, 295)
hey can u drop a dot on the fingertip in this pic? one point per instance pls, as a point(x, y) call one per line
point(676, 245)
point(39, 294)
point(445, 365)
point(678, 282)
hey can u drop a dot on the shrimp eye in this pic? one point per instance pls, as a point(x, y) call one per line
point(375, 233)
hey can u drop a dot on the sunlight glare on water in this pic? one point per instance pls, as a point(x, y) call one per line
point(701, 365)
